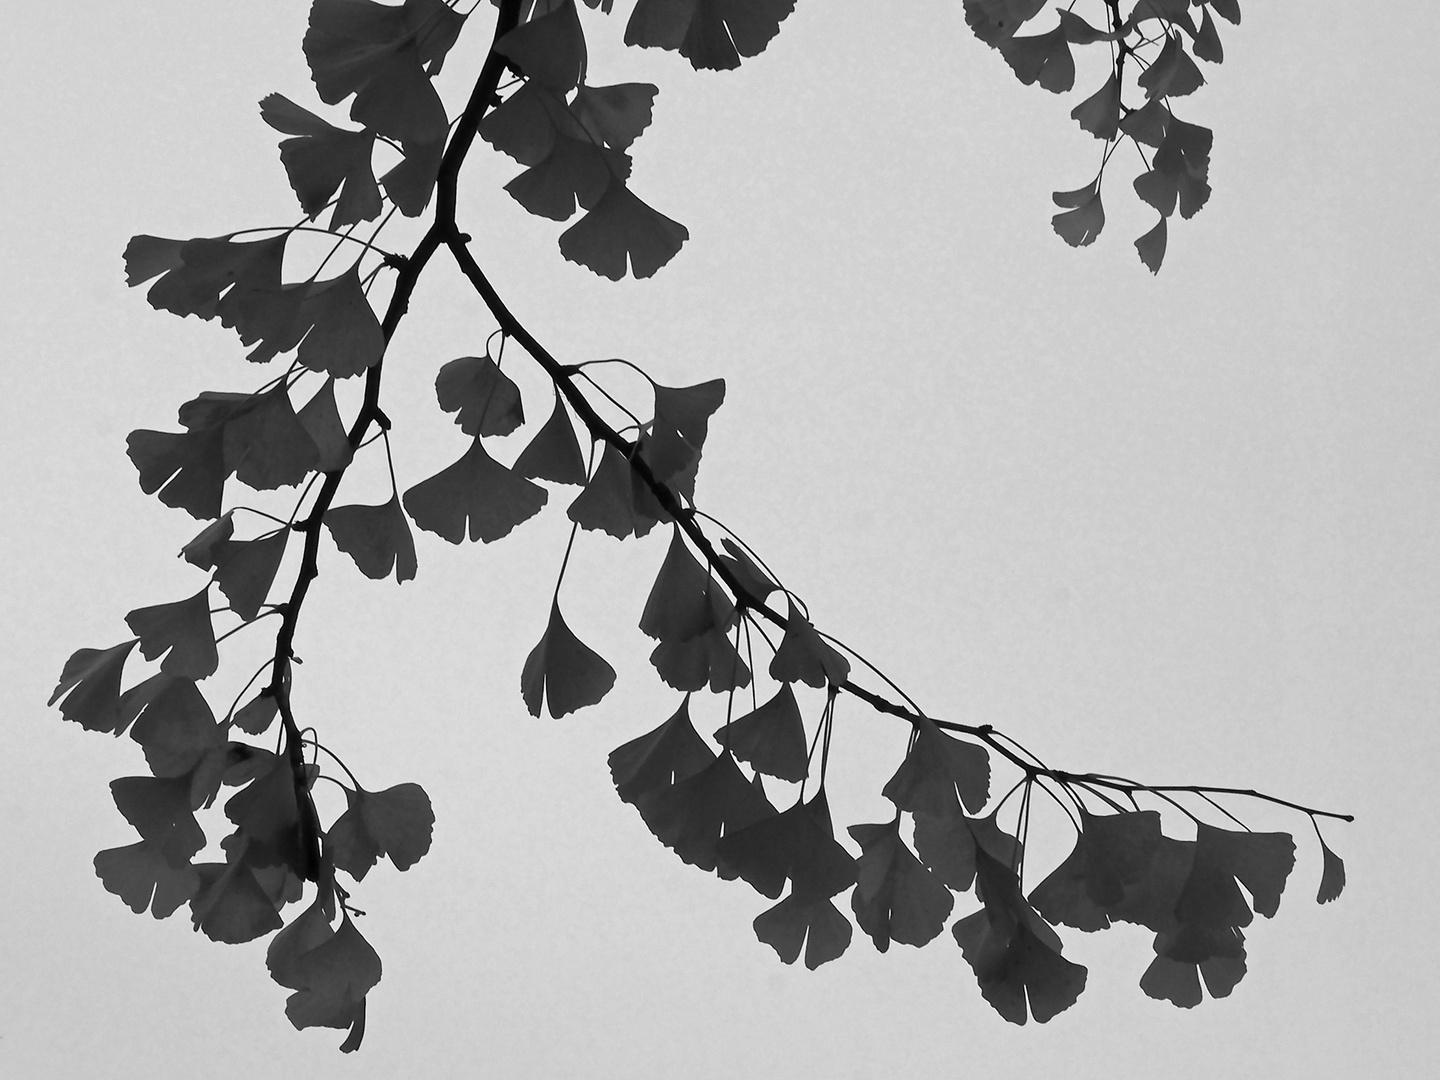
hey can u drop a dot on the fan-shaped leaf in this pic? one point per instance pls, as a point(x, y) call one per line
point(1099, 114)
point(806, 657)
point(476, 488)
point(376, 537)
point(568, 673)
point(321, 419)
point(554, 453)
point(620, 226)
point(91, 683)
point(181, 632)
point(614, 115)
point(142, 877)
point(484, 399)
point(1080, 225)
point(690, 815)
point(1044, 58)
point(608, 502)
point(771, 738)
point(245, 570)
point(322, 159)
point(811, 922)
point(711, 34)
point(1332, 876)
point(670, 753)
point(161, 813)
point(1173, 74)
point(397, 822)
point(550, 49)
point(896, 898)
point(1151, 247)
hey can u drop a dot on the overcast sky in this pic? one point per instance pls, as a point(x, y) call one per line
point(1179, 528)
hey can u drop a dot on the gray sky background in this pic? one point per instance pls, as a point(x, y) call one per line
point(1181, 529)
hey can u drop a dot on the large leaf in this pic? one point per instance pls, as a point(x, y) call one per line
point(621, 226)
point(896, 897)
point(476, 489)
point(564, 671)
point(90, 683)
point(711, 34)
point(376, 537)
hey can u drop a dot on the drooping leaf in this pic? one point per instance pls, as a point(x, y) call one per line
point(896, 898)
point(995, 21)
point(1229, 10)
point(194, 273)
point(1080, 32)
point(1147, 124)
point(620, 225)
point(708, 659)
point(554, 453)
point(484, 399)
point(771, 738)
point(1178, 982)
point(161, 813)
point(1207, 41)
point(1112, 852)
point(187, 469)
point(798, 845)
point(660, 758)
point(562, 669)
point(231, 906)
point(201, 550)
point(411, 183)
point(1179, 170)
point(245, 570)
point(276, 828)
point(376, 537)
point(181, 632)
point(683, 601)
point(750, 576)
point(1099, 114)
point(322, 159)
point(806, 657)
point(691, 815)
point(142, 877)
point(344, 336)
point(321, 419)
point(397, 822)
point(476, 488)
point(608, 502)
point(256, 715)
point(174, 725)
point(1044, 58)
point(614, 115)
point(266, 445)
point(814, 923)
point(1151, 247)
point(1081, 224)
point(548, 49)
point(1173, 74)
point(936, 770)
point(678, 430)
point(947, 843)
point(330, 972)
point(711, 34)
point(1332, 876)
point(1259, 861)
point(90, 682)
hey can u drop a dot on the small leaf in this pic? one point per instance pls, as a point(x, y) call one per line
point(685, 600)
point(1229, 10)
point(397, 822)
point(692, 814)
point(323, 159)
point(411, 183)
point(996, 20)
point(615, 115)
point(376, 537)
point(256, 716)
point(161, 813)
point(245, 570)
point(476, 488)
point(1151, 247)
point(321, 419)
point(485, 400)
point(619, 226)
point(181, 632)
point(554, 452)
point(1079, 226)
point(896, 898)
point(1099, 114)
point(1173, 74)
point(1332, 877)
point(549, 49)
point(814, 923)
point(568, 673)
point(678, 431)
point(711, 34)
point(750, 576)
point(670, 753)
point(267, 446)
point(936, 769)
point(231, 906)
point(798, 845)
point(806, 657)
point(175, 726)
point(1207, 41)
point(142, 877)
point(201, 551)
point(608, 502)
point(1080, 32)
point(1147, 125)
point(187, 469)
point(91, 681)
point(1044, 58)
point(331, 980)
point(344, 337)
point(771, 738)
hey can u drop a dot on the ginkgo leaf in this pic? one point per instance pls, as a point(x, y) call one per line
point(1080, 225)
point(615, 115)
point(330, 973)
point(1112, 852)
point(181, 632)
point(621, 225)
point(564, 670)
point(321, 419)
point(711, 34)
point(142, 877)
point(524, 124)
point(322, 159)
point(708, 659)
point(245, 570)
point(161, 813)
point(996, 20)
point(376, 537)
point(1147, 124)
point(174, 726)
point(798, 845)
point(947, 844)
point(678, 430)
point(1260, 861)
point(90, 682)
point(1151, 247)
point(1080, 32)
point(670, 753)
point(554, 453)
point(397, 822)
point(267, 446)
point(751, 577)
point(1207, 41)
point(277, 830)
point(1179, 982)
point(256, 716)
point(344, 337)
point(806, 657)
point(1173, 73)
point(411, 183)
point(683, 601)
point(186, 469)
point(935, 769)
point(576, 171)
point(1229, 10)
point(608, 502)
point(1099, 114)
point(1332, 876)
point(379, 53)
point(771, 738)
point(194, 273)
point(476, 488)
point(1044, 58)
point(231, 906)
point(896, 898)
point(484, 399)
point(690, 815)
point(201, 550)
point(813, 923)
point(548, 49)
point(1179, 170)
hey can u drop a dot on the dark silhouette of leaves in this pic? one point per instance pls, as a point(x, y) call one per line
point(90, 682)
point(1099, 114)
point(936, 769)
point(245, 570)
point(265, 443)
point(1179, 170)
point(342, 335)
point(947, 843)
point(268, 814)
point(806, 657)
point(1081, 224)
point(322, 159)
point(750, 576)
point(995, 21)
point(814, 923)
point(771, 738)
point(1259, 861)
point(692, 814)
point(685, 600)
point(608, 502)
point(1147, 124)
point(256, 716)
point(201, 550)
point(161, 812)
point(321, 419)
point(174, 725)
point(549, 49)
point(614, 115)
point(376, 537)
point(330, 972)
point(142, 877)
point(179, 631)
point(484, 399)
point(1229, 10)
point(896, 898)
point(711, 34)
point(396, 822)
point(1151, 247)
point(678, 430)
point(1207, 40)
point(476, 488)
point(1112, 851)
point(1173, 74)
point(1080, 32)
point(554, 453)
point(194, 273)
point(672, 752)
point(1044, 58)
point(620, 225)
point(1332, 876)
point(564, 670)
point(708, 659)
point(798, 845)
point(231, 905)
point(186, 469)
